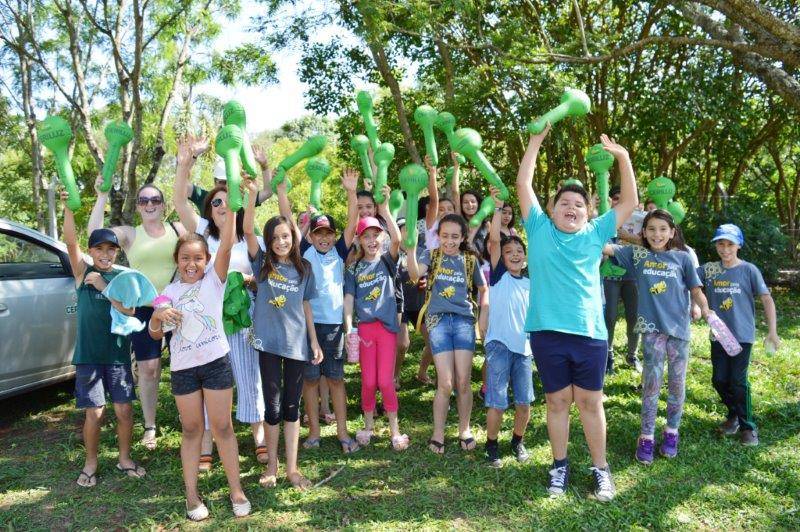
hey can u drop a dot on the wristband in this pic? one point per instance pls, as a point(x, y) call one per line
point(149, 323)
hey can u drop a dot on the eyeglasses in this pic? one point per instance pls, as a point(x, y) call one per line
point(155, 200)
point(216, 202)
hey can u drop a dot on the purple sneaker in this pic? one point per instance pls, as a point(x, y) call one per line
point(644, 451)
point(669, 447)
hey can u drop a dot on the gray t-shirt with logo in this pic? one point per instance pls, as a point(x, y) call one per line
point(449, 292)
point(279, 323)
point(731, 293)
point(372, 286)
point(663, 279)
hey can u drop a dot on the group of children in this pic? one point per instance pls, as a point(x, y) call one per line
point(318, 293)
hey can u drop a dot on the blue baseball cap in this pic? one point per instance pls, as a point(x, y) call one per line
point(729, 232)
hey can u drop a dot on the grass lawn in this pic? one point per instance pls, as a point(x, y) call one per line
point(714, 483)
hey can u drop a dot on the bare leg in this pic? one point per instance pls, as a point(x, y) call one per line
point(494, 417)
point(149, 378)
point(522, 414)
point(426, 359)
point(339, 399)
point(91, 441)
point(403, 343)
point(258, 433)
point(291, 437)
point(124, 413)
point(444, 363)
point(325, 398)
point(190, 407)
point(593, 418)
point(558, 404)
point(463, 380)
point(218, 406)
point(311, 392)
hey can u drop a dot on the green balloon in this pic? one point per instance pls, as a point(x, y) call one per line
point(55, 134)
point(660, 191)
point(360, 145)
point(383, 157)
point(425, 116)
point(233, 113)
point(677, 210)
point(395, 202)
point(468, 143)
point(318, 170)
point(446, 123)
point(364, 101)
point(451, 170)
point(574, 102)
point(609, 269)
point(118, 134)
point(573, 181)
point(313, 146)
point(600, 162)
point(413, 180)
point(228, 145)
point(486, 209)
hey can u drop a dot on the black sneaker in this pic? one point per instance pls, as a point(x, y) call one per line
point(493, 456)
point(559, 478)
point(520, 452)
point(604, 489)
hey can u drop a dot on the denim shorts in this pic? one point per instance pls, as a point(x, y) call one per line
point(502, 366)
point(452, 332)
point(564, 359)
point(331, 340)
point(214, 375)
point(94, 381)
point(144, 346)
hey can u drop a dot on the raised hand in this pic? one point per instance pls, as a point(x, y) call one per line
point(350, 180)
point(454, 157)
point(249, 185)
point(97, 184)
point(429, 166)
point(611, 146)
point(261, 157)
point(495, 194)
point(387, 191)
point(538, 139)
point(190, 148)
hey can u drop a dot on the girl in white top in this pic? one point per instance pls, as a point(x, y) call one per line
point(201, 374)
point(244, 359)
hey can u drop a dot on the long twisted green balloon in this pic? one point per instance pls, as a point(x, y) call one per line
point(446, 123)
point(228, 146)
point(600, 162)
point(55, 134)
point(383, 157)
point(468, 144)
point(118, 134)
point(360, 145)
point(364, 101)
point(425, 116)
point(574, 102)
point(318, 170)
point(486, 209)
point(395, 202)
point(233, 113)
point(313, 146)
point(413, 180)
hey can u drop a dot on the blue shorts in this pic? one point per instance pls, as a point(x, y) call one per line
point(452, 332)
point(331, 340)
point(214, 375)
point(143, 345)
point(94, 381)
point(564, 359)
point(503, 365)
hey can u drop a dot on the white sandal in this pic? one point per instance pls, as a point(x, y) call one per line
point(241, 509)
point(197, 514)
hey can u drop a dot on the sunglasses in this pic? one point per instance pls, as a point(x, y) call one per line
point(216, 202)
point(155, 200)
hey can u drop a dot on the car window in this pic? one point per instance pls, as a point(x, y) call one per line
point(23, 259)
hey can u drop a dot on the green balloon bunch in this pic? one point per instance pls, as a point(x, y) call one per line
point(118, 134)
point(55, 135)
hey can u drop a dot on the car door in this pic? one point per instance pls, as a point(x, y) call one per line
point(37, 312)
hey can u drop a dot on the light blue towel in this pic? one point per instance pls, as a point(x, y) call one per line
point(132, 289)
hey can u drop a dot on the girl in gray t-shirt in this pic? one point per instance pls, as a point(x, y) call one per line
point(665, 277)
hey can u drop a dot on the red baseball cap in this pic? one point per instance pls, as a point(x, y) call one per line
point(367, 222)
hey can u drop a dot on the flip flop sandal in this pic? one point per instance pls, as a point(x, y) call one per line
point(311, 443)
point(438, 445)
point(135, 470)
point(88, 479)
point(363, 437)
point(400, 443)
point(466, 442)
point(267, 481)
point(149, 443)
point(261, 454)
point(205, 463)
point(349, 446)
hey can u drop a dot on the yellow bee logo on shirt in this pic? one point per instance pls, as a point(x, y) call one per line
point(448, 292)
point(727, 304)
point(373, 295)
point(278, 302)
point(659, 288)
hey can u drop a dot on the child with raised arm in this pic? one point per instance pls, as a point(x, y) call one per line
point(102, 359)
point(449, 317)
point(565, 313)
point(665, 278)
point(731, 285)
point(508, 353)
point(200, 364)
point(369, 289)
point(283, 331)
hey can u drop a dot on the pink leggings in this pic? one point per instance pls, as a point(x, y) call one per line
point(377, 356)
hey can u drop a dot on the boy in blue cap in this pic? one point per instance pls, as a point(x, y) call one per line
point(731, 286)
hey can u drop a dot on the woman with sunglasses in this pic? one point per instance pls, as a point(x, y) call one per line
point(149, 247)
point(244, 359)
